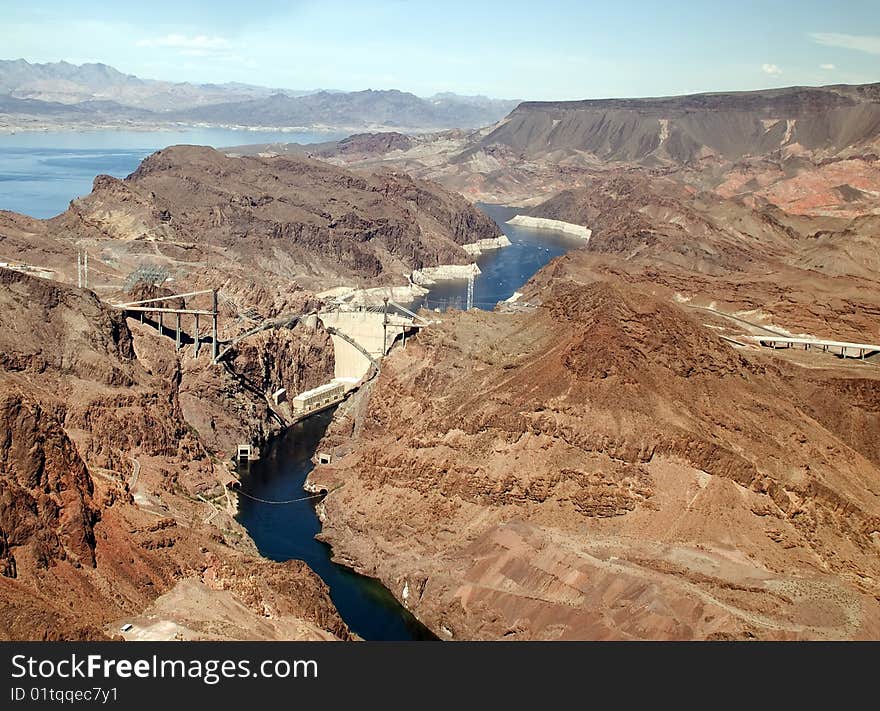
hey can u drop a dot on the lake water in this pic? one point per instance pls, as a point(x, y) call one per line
point(42, 171)
point(503, 270)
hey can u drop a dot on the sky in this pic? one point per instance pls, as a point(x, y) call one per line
point(540, 49)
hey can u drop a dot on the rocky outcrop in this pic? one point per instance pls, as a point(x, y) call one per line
point(45, 489)
point(293, 221)
point(230, 404)
point(548, 225)
point(487, 244)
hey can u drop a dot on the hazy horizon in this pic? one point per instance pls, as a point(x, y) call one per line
point(570, 50)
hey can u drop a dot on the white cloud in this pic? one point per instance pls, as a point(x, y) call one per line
point(772, 69)
point(827, 67)
point(212, 48)
point(202, 43)
point(860, 43)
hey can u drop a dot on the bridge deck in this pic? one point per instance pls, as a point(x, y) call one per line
point(816, 342)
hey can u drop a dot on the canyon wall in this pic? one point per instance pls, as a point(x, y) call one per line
point(110, 488)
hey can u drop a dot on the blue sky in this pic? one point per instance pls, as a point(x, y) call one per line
point(541, 49)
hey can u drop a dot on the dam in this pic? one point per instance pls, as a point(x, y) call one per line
point(291, 531)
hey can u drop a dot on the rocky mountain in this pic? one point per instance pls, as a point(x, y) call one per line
point(809, 150)
point(614, 459)
point(613, 456)
point(112, 503)
point(390, 108)
point(72, 84)
point(568, 474)
point(356, 147)
point(279, 221)
point(685, 129)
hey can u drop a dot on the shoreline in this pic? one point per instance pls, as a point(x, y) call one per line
point(8, 128)
point(445, 272)
point(487, 244)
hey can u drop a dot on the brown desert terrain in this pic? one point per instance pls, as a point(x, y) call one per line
point(617, 458)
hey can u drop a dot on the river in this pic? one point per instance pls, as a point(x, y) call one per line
point(41, 172)
point(504, 270)
point(286, 531)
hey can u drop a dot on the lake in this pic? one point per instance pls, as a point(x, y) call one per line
point(42, 171)
point(505, 270)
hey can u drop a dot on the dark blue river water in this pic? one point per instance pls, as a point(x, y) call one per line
point(287, 531)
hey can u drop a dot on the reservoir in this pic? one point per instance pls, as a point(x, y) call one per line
point(505, 270)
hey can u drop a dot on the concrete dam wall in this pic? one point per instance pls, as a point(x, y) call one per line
point(366, 328)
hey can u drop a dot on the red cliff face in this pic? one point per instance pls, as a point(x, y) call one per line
point(45, 488)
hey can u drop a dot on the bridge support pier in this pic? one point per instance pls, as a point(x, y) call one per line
point(177, 334)
point(385, 327)
point(196, 336)
point(215, 347)
point(161, 331)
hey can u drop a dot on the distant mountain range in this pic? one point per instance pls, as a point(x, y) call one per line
point(60, 93)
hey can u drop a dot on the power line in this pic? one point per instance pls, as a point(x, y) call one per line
point(277, 503)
